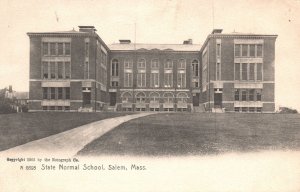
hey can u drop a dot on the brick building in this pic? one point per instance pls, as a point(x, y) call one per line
point(77, 71)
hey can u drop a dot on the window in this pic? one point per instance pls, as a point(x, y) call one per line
point(237, 49)
point(237, 71)
point(251, 94)
point(168, 79)
point(114, 68)
point(154, 64)
point(237, 109)
point(45, 49)
point(128, 80)
point(168, 97)
point(244, 95)
point(60, 70)
point(60, 48)
point(252, 50)
point(259, 72)
point(181, 64)
point(244, 71)
point(59, 108)
point(168, 64)
point(182, 97)
point(114, 83)
point(86, 70)
point(52, 49)
point(126, 97)
point(181, 79)
point(258, 109)
point(195, 84)
point(252, 109)
point(67, 70)
point(67, 92)
point(244, 50)
point(258, 95)
point(259, 51)
point(244, 109)
point(218, 50)
point(154, 97)
point(251, 71)
point(154, 80)
point(237, 95)
point(141, 64)
point(59, 93)
point(218, 72)
point(45, 92)
point(140, 97)
point(67, 48)
point(86, 49)
point(141, 79)
point(127, 64)
point(45, 70)
point(195, 68)
point(52, 70)
point(45, 108)
point(52, 93)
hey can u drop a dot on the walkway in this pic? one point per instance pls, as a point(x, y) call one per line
point(68, 143)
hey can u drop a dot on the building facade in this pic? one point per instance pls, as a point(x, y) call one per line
point(77, 71)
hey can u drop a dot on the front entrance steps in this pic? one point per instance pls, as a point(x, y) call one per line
point(199, 109)
point(111, 108)
point(218, 110)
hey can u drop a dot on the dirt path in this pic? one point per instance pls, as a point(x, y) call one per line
point(68, 143)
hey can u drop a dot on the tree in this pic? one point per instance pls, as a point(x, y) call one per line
point(5, 103)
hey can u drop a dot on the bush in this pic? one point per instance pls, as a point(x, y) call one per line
point(287, 110)
point(5, 108)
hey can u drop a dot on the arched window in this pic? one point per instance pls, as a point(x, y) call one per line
point(115, 68)
point(168, 97)
point(141, 64)
point(182, 97)
point(181, 64)
point(126, 97)
point(140, 97)
point(154, 97)
point(168, 64)
point(154, 64)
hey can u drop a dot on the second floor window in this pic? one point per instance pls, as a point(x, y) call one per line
point(195, 68)
point(115, 68)
point(56, 70)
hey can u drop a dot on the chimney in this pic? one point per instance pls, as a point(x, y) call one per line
point(217, 31)
point(10, 89)
point(90, 29)
point(188, 42)
point(124, 41)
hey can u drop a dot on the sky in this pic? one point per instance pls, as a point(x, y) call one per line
point(157, 21)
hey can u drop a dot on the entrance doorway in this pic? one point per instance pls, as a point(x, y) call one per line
point(196, 99)
point(86, 98)
point(113, 99)
point(218, 100)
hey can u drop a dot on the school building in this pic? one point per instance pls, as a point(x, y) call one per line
point(78, 71)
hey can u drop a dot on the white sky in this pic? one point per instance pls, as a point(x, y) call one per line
point(158, 21)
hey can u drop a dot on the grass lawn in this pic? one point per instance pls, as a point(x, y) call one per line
point(198, 134)
point(20, 128)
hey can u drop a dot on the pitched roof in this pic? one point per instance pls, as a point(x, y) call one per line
point(161, 47)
